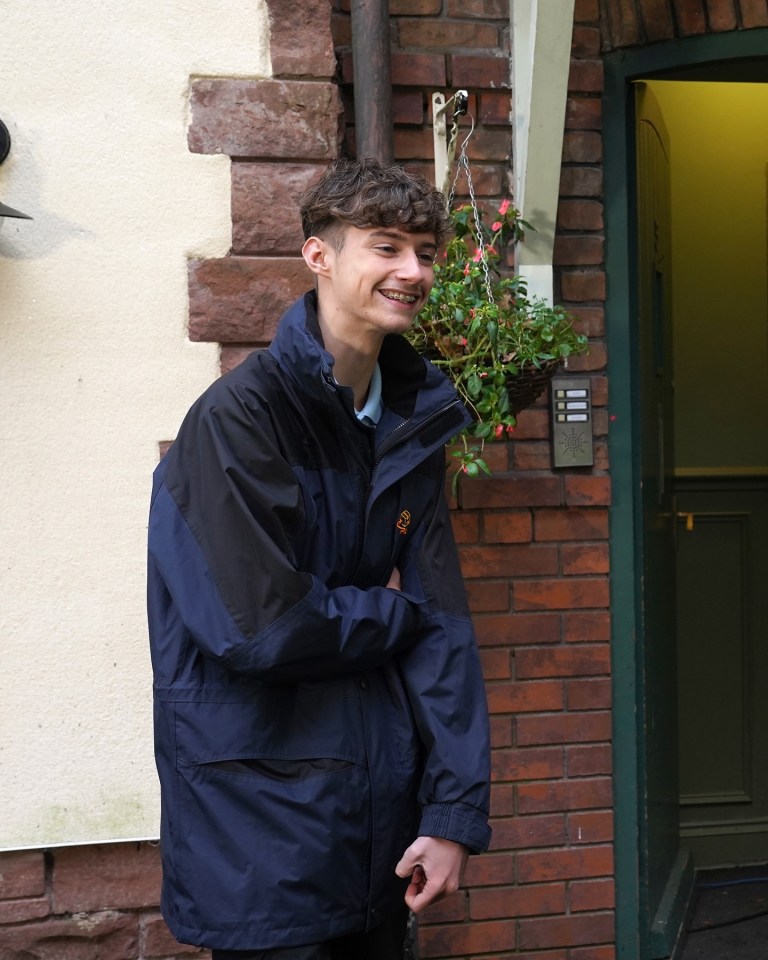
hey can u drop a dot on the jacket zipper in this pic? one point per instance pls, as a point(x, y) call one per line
point(396, 437)
point(399, 435)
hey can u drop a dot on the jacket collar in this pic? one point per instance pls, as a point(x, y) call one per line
point(412, 388)
point(298, 348)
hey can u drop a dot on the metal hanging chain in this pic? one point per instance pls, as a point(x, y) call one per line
point(463, 164)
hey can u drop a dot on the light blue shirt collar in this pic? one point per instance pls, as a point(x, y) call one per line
point(371, 412)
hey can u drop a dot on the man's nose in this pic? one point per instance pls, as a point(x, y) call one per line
point(409, 265)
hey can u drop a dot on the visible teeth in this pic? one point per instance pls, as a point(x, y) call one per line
point(402, 297)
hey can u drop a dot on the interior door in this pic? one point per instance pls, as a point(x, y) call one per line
point(723, 612)
point(664, 867)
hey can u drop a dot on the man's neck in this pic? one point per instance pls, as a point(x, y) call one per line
point(353, 363)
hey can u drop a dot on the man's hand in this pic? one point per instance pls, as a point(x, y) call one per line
point(435, 867)
point(394, 580)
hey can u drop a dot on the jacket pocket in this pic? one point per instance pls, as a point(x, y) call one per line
point(272, 809)
point(273, 842)
point(288, 771)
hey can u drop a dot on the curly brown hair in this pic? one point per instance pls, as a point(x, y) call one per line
point(371, 193)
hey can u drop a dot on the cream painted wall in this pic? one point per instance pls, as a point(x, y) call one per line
point(719, 164)
point(95, 369)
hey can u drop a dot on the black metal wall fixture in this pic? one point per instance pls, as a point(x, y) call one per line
point(5, 149)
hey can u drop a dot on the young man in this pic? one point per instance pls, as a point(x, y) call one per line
point(321, 725)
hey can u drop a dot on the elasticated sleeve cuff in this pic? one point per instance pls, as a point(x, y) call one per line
point(457, 822)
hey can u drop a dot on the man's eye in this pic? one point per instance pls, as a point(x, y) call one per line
point(427, 258)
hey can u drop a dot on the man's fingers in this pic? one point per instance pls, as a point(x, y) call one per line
point(415, 888)
point(422, 891)
point(435, 867)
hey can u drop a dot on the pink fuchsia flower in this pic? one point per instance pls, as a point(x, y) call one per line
point(466, 269)
point(499, 431)
point(496, 226)
point(510, 430)
point(478, 255)
point(505, 205)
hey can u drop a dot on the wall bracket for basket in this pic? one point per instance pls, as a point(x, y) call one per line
point(444, 144)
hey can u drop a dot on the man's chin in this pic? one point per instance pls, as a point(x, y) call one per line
point(407, 317)
point(402, 324)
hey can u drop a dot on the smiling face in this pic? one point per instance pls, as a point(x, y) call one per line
point(371, 281)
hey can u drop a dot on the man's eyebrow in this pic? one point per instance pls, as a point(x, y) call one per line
point(392, 234)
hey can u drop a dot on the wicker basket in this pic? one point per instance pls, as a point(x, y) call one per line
point(529, 383)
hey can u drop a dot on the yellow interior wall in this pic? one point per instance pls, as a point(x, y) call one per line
point(719, 160)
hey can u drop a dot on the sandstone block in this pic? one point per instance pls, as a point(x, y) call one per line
point(16, 911)
point(110, 876)
point(300, 40)
point(241, 299)
point(268, 119)
point(98, 936)
point(22, 874)
point(265, 206)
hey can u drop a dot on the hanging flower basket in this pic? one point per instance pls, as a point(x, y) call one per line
point(498, 345)
point(526, 386)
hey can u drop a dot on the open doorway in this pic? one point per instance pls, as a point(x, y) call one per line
point(700, 804)
point(718, 169)
point(702, 339)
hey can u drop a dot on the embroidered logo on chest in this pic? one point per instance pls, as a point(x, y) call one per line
point(404, 521)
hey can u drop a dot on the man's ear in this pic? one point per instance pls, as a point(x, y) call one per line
point(318, 255)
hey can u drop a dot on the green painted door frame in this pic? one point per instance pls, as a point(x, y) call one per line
point(738, 55)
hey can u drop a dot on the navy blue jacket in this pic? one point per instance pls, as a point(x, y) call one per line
point(310, 722)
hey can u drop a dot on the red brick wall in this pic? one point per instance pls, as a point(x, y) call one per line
point(533, 541)
point(635, 22)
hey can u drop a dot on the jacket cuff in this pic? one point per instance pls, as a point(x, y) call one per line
point(458, 822)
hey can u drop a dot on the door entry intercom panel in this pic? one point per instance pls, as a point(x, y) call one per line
point(571, 401)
